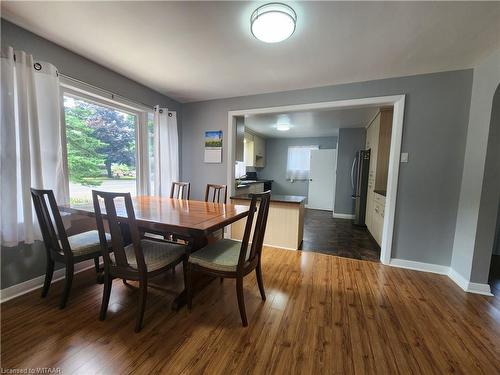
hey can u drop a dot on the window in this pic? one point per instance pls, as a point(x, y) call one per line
point(101, 145)
point(299, 162)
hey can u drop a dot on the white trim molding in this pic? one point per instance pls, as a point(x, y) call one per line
point(468, 286)
point(344, 216)
point(458, 279)
point(397, 101)
point(36, 283)
point(419, 266)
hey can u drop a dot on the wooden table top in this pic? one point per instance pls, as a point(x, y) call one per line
point(193, 218)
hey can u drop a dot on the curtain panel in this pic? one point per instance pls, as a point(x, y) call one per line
point(166, 151)
point(32, 143)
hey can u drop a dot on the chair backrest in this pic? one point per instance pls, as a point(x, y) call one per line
point(259, 230)
point(180, 190)
point(51, 224)
point(120, 229)
point(213, 193)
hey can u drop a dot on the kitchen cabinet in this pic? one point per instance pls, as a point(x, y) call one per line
point(378, 140)
point(259, 151)
point(254, 150)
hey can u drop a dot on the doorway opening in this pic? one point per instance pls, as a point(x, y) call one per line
point(267, 131)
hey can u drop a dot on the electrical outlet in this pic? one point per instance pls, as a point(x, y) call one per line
point(404, 157)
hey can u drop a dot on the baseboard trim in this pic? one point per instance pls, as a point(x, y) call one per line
point(419, 266)
point(36, 283)
point(344, 216)
point(467, 286)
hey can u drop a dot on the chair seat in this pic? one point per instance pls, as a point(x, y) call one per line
point(86, 243)
point(157, 254)
point(221, 255)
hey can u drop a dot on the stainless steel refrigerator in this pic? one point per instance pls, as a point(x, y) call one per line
point(359, 182)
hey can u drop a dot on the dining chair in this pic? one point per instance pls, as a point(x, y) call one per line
point(180, 190)
point(213, 193)
point(139, 260)
point(232, 259)
point(60, 247)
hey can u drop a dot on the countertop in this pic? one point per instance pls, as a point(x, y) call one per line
point(296, 199)
point(245, 183)
point(380, 192)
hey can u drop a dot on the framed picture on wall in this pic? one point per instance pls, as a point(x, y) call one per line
point(213, 146)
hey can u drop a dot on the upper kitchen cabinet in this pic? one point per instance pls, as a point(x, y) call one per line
point(240, 138)
point(260, 151)
point(254, 150)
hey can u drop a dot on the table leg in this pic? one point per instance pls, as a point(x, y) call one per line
point(199, 280)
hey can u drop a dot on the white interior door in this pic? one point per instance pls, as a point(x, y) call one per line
point(322, 178)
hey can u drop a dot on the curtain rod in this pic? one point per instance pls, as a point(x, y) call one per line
point(112, 94)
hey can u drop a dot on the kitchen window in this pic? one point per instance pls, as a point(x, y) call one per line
point(299, 162)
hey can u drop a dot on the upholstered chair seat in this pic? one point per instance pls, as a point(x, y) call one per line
point(157, 254)
point(221, 255)
point(86, 242)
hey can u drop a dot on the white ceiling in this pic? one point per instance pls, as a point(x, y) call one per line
point(195, 51)
point(317, 123)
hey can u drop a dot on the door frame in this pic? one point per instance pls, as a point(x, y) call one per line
point(398, 103)
point(335, 152)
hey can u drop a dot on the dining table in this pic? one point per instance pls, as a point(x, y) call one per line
point(190, 220)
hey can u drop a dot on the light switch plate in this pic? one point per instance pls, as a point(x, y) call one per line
point(404, 157)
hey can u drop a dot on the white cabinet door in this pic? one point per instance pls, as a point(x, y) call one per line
point(259, 151)
point(322, 178)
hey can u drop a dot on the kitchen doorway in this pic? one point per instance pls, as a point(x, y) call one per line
point(396, 102)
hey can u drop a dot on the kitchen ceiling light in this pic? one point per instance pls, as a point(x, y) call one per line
point(283, 127)
point(273, 22)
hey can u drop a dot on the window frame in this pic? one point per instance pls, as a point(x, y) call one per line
point(310, 148)
point(81, 90)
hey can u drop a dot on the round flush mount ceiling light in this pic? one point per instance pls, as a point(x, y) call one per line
point(273, 22)
point(283, 127)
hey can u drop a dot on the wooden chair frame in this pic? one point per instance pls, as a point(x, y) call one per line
point(213, 193)
point(180, 190)
point(245, 266)
point(121, 231)
point(56, 242)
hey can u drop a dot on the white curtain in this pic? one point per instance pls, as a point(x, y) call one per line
point(166, 150)
point(299, 162)
point(31, 143)
point(143, 182)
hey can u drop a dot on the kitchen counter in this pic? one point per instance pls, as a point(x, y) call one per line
point(245, 183)
point(285, 222)
point(297, 199)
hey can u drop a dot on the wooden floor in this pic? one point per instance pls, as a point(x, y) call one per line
point(328, 235)
point(324, 314)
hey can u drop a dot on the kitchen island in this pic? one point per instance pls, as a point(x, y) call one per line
point(285, 222)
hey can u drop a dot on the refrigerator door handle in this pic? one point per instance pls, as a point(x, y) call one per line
point(352, 174)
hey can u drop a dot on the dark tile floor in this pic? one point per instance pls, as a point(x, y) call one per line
point(324, 234)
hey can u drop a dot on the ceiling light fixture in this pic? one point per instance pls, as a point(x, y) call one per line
point(273, 22)
point(283, 127)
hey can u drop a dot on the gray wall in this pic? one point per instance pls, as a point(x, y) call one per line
point(490, 195)
point(435, 124)
point(276, 157)
point(480, 184)
point(496, 245)
point(350, 141)
point(26, 262)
